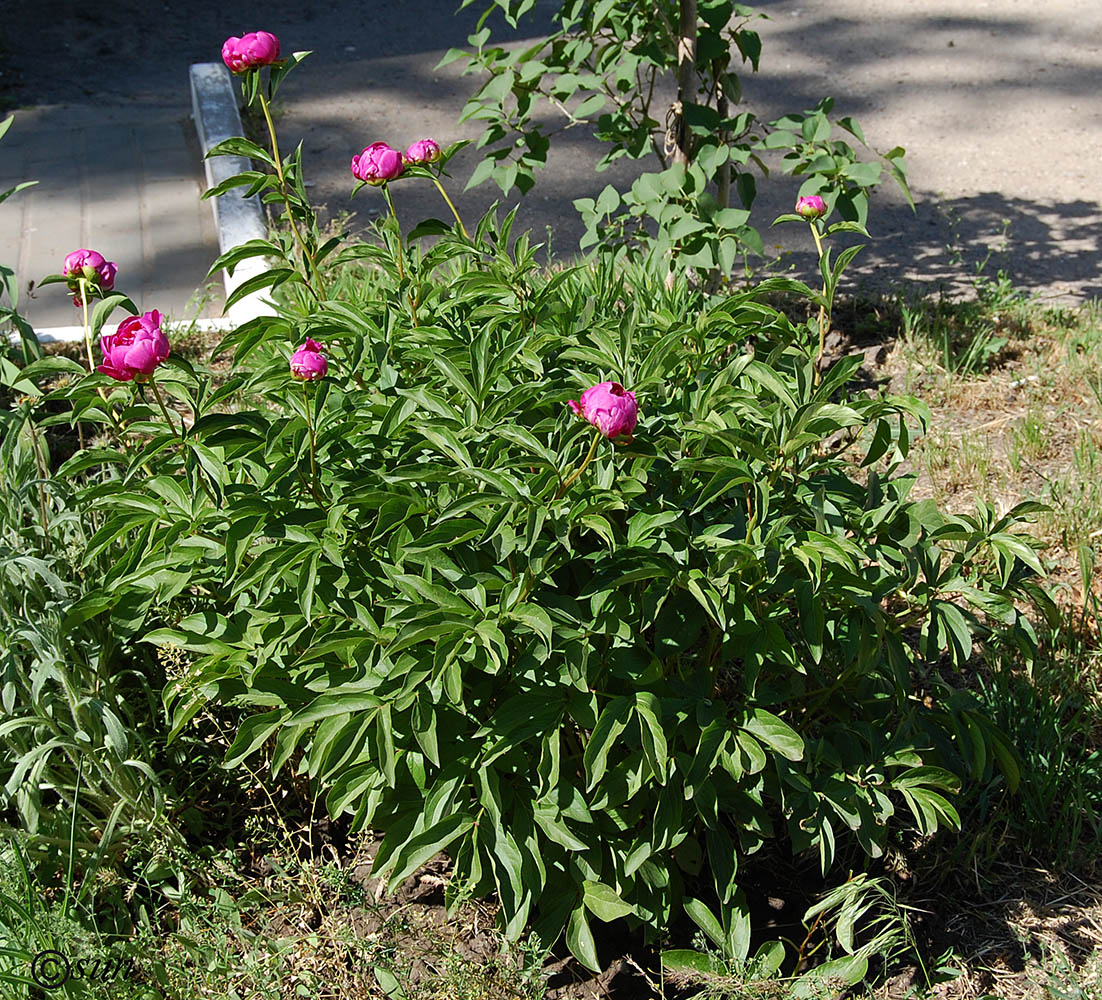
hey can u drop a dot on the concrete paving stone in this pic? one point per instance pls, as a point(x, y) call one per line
point(996, 101)
point(123, 180)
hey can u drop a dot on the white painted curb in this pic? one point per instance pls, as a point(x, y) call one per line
point(236, 218)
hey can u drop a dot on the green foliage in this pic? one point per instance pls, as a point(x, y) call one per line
point(599, 693)
point(602, 68)
point(715, 637)
point(75, 733)
point(864, 922)
point(967, 338)
point(70, 699)
point(1049, 715)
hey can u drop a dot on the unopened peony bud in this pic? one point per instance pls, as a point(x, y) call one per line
point(811, 207)
point(423, 151)
point(250, 51)
point(93, 268)
point(308, 362)
point(377, 163)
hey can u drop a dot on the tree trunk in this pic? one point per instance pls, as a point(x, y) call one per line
point(686, 78)
point(723, 179)
point(680, 149)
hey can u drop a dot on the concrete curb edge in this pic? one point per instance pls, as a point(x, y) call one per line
point(237, 219)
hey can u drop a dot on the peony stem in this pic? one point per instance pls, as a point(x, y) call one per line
point(313, 445)
point(581, 468)
point(92, 362)
point(164, 409)
point(42, 469)
point(307, 257)
point(200, 474)
point(444, 194)
point(401, 252)
point(87, 328)
point(394, 216)
point(818, 375)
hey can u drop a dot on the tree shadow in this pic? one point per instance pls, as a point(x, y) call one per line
point(373, 76)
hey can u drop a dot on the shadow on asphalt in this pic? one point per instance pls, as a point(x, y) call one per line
point(361, 84)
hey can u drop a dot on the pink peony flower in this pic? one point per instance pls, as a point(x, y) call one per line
point(610, 408)
point(811, 206)
point(93, 268)
point(377, 163)
point(308, 362)
point(423, 151)
point(135, 348)
point(250, 51)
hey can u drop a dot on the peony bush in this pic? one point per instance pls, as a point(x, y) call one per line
point(594, 580)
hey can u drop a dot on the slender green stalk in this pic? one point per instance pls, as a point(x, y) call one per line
point(179, 434)
point(92, 362)
point(526, 588)
point(72, 839)
point(581, 468)
point(164, 409)
point(444, 194)
point(42, 470)
point(83, 284)
point(308, 258)
point(394, 216)
point(313, 445)
point(823, 318)
point(401, 252)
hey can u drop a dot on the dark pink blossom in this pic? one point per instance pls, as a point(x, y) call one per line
point(610, 408)
point(308, 362)
point(250, 51)
point(135, 349)
point(377, 163)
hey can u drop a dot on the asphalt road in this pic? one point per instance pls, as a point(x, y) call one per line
point(998, 103)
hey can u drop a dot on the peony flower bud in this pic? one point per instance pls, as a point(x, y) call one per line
point(250, 51)
point(423, 151)
point(810, 207)
point(377, 163)
point(308, 362)
point(135, 349)
point(93, 268)
point(610, 408)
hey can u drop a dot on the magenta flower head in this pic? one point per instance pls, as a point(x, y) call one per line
point(423, 151)
point(610, 408)
point(377, 163)
point(308, 362)
point(93, 268)
point(250, 51)
point(135, 348)
point(810, 207)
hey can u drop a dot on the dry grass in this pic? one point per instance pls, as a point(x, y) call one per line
point(1027, 426)
point(1031, 935)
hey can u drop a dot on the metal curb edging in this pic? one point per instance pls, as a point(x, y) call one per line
point(237, 219)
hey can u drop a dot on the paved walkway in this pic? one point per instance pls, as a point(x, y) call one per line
point(997, 102)
point(122, 180)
